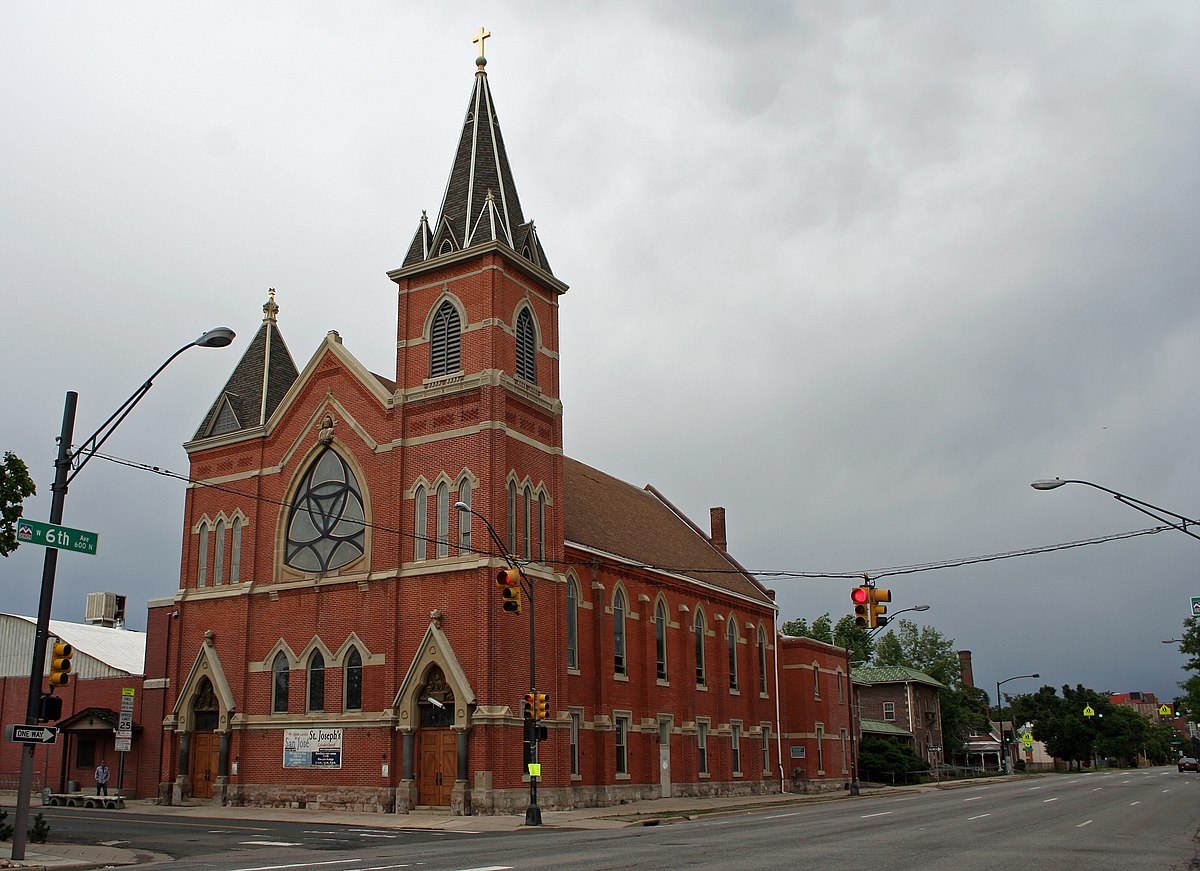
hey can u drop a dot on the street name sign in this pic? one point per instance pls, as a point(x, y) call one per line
point(61, 537)
point(31, 734)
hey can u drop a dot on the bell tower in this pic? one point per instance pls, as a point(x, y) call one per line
point(477, 406)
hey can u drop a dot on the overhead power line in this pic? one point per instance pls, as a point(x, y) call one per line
point(784, 574)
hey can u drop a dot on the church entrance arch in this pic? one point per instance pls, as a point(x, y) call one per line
point(204, 761)
point(437, 743)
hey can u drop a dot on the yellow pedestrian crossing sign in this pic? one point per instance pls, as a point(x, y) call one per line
point(1089, 711)
point(1027, 740)
point(1165, 711)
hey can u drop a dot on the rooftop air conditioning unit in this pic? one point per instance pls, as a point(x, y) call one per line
point(105, 609)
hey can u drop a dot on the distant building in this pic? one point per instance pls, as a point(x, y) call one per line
point(106, 662)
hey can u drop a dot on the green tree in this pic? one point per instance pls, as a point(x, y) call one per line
point(921, 647)
point(15, 487)
point(844, 634)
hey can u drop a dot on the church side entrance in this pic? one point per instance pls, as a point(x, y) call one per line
point(205, 751)
point(437, 743)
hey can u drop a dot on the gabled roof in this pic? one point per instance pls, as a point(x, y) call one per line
point(893, 674)
point(480, 204)
point(115, 650)
point(258, 383)
point(606, 514)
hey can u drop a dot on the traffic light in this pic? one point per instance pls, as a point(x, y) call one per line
point(509, 582)
point(879, 610)
point(50, 709)
point(861, 597)
point(529, 709)
point(541, 706)
point(60, 664)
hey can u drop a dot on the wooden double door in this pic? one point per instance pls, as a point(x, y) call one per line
point(437, 755)
point(205, 758)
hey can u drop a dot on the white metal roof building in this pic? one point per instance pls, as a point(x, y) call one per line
point(100, 651)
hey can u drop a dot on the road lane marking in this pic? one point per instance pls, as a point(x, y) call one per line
point(1081, 825)
point(300, 865)
point(271, 844)
point(973, 798)
point(981, 816)
point(880, 814)
point(490, 868)
point(1034, 787)
point(1048, 800)
point(1097, 788)
point(781, 816)
point(1132, 803)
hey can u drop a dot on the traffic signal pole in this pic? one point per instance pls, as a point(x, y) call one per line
point(533, 813)
point(58, 500)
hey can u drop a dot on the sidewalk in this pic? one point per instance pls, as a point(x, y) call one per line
point(638, 813)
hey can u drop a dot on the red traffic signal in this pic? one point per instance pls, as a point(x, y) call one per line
point(509, 582)
point(861, 596)
point(529, 709)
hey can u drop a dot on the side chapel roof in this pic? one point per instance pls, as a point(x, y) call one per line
point(609, 515)
point(480, 204)
point(258, 383)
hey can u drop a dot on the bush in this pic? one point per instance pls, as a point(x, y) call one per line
point(884, 761)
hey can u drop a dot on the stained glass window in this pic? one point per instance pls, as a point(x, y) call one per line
point(326, 527)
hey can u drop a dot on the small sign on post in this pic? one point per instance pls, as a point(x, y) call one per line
point(1196, 606)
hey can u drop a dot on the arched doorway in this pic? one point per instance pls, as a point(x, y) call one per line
point(205, 755)
point(437, 751)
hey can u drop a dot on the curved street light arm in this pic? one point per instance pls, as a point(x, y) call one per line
point(215, 338)
point(1137, 504)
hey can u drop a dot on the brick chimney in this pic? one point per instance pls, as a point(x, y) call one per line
point(716, 518)
point(964, 664)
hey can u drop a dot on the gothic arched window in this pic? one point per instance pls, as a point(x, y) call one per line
point(316, 681)
point(219, 553)
point(279, 684)
point(445, 341)
point(526, 347)
point(618, 608)
point(326, 526)
point(572, 623)
point(660, 638)
point(698, 629)
point(354, 667)
point(732, 637)
point(464, 518)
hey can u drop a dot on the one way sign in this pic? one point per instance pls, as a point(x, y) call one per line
point(32, 734)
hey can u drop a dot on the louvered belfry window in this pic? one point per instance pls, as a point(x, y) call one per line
point(444, 341)
point(526, 347)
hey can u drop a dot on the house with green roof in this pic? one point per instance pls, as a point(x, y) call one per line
point(901, 704)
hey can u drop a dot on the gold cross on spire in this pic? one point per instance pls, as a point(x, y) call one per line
point(481, 38)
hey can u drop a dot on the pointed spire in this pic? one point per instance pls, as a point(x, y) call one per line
point(258, 383)
point(480, 204)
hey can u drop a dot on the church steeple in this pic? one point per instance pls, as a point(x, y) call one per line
point(480, 204)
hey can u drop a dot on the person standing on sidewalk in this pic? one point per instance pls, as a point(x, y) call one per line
point(102, 778)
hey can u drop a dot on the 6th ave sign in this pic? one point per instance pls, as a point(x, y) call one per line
point(31, 734)
point(61, 537)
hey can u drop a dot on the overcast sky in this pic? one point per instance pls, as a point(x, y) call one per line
point(857, 272)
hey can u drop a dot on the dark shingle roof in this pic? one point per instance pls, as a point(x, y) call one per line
point(240, 404)
point(609, 515)
point(481, 203)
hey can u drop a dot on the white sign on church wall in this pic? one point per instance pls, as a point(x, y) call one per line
point(312, 748)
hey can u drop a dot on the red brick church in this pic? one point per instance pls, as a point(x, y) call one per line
point(338, 638)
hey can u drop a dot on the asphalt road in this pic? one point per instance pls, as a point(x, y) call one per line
point(1109, 820)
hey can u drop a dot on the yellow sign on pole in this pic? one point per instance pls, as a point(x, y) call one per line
point(1165, 711)
point(535, 769)
point(1088, 711)
point(1027, 740)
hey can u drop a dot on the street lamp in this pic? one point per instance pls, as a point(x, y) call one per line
point(1000, 715)
point(67, 465)
point(533, 813)
point(1181, 522)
